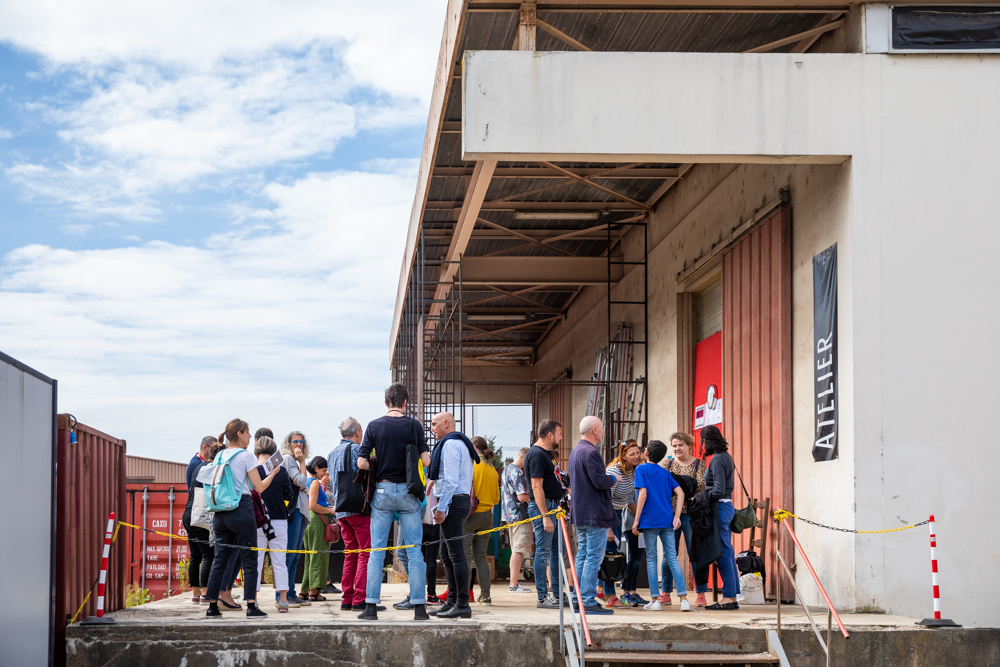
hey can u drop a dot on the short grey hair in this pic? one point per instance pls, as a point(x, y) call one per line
point(209, 440)
point(349, 427)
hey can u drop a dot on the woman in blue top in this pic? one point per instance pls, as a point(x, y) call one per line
point(316, 565)
point(657, 517)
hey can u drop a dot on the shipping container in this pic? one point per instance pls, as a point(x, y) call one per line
point(90, 484)
point(141, 469)
point(154, 564)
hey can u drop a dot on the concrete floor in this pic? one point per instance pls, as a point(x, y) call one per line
point(507, 608)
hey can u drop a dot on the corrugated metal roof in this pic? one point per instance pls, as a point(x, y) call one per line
point(140, 469)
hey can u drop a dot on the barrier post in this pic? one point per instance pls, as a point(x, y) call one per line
point(101, 619)
point(937, 621)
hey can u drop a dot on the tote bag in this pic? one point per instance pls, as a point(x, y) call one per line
point(350, 496)
point(200, 516)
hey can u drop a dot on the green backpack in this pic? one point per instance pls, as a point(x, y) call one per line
point(221, 494)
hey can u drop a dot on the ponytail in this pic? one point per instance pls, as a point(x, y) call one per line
point(233, 430)
point(483, 447)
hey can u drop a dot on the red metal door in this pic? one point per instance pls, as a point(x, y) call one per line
point(757, 368)
point(163, 554)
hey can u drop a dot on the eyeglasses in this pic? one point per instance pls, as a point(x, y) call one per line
point(298, 442)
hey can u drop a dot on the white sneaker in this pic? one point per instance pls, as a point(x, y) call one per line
point(686, 606)
point(654, 605)
point(518, 589)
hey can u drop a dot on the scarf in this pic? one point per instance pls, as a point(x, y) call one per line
point(434, 469)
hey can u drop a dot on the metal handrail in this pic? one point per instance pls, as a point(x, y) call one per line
point(576, 584)
point(831, 613)
point(577, 632)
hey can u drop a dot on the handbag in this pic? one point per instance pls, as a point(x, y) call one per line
point(413, 482)
point(331, 531)
point(613, 566)
point(350, 496)
point(746, 517)
point(200, 516)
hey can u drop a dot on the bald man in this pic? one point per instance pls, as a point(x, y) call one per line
point(451, 471)
point(590, 510)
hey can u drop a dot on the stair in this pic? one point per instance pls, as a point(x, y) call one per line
point(676, 658)
point(765, 651)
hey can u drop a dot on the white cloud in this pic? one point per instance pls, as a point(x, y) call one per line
point(5, 134)
point(175, 92)
point(283, 322)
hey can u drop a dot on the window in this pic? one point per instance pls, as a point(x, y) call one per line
point(915, 29)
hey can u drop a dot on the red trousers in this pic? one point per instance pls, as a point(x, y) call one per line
point(356, 531)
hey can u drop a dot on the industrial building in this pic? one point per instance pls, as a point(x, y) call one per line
point(775, 216)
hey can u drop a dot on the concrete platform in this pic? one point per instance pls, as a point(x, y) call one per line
point(510, 631)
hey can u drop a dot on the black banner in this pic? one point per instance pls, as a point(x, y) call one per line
point(825, 353)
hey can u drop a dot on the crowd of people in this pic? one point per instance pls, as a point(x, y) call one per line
point(443, 501)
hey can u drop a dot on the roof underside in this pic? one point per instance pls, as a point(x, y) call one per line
point(598, 195)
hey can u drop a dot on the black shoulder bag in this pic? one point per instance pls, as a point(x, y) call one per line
point(413, 483)
point(350, 496)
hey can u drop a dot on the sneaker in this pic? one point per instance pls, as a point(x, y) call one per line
point(686, 606)
point(700, 601)
point(639, 599)
point(598, 610)
point(518, 589)
point(256, 612)
point(403, 604)
point(282, 607)
point(213, 611)
point(652, 606)
point(665, 599)
point(434, 600)
point(292, 604)
point(299, 601)
point(484, 599)
point(549, 602)
point(333, 590)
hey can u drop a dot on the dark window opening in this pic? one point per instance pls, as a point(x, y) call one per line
point(946, 28)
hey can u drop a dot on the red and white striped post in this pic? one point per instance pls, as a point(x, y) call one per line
point(937, 621)
point(101, 619)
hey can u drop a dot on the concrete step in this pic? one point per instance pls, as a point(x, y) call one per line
point(676, 658)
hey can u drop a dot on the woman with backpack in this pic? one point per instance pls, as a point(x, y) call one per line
point(235, 529)
point(685, 464)
point(623, 499)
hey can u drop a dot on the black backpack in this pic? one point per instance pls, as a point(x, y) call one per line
point(688, 484)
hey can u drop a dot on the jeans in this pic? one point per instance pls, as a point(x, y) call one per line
point(590, 541)
point(392, 497)
point(296, 531)
point(546, 549)
point(202, 555)
point(668, 575)
point(666, 537)
point(279, 542)
point(727, 563)
point(238, 527)
point(475, 548)
point(456, 567)
point(356, 531)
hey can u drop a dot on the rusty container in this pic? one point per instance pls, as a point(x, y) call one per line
point(90, 484)
point(154, 562)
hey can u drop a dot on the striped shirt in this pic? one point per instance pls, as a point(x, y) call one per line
point(622, 491)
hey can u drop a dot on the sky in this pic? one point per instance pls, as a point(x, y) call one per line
point(203, 207)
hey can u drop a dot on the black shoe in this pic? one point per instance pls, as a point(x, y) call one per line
point(348, 607)
point(456, 612)
point(255, 612)
point(213, 610)
point(403, 604)
point(361, 607)
point(420, 613)
point(370, 613)
point(445, 607)
point(330, 588)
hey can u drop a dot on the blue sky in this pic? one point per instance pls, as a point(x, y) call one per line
point(203, 207)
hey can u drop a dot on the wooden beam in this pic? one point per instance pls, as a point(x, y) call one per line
point(561, 36)
point(667, 184)
point(526, 22)
point(562, 182)
point(541, 206)
point(474, 196)
point(595, 186)
point(538, 270)
point(770, 46)
point(805, 44)
point(623, 172)
point(517, 295)
point(517, 327)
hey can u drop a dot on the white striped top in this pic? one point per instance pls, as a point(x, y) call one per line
point(622, 491)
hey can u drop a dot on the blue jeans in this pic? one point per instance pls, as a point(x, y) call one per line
point(727, 563)
point(667, 574)
point(591, 542)
point(296, 531)
point(666, 538)
point(392, 497)
point(546, 549)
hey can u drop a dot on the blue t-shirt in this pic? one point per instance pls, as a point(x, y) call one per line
point(658, 510)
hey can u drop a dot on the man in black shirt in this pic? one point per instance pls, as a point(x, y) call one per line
point(383, 451)
point(546, 492)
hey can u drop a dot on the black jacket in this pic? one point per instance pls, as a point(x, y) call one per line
point(706, 539)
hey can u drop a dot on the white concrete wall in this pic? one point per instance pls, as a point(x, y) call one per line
point(26, 433)
point(918, 138)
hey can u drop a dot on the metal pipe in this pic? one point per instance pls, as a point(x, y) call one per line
point(576, 583)
point(819, 584)
point(805, 608)
point(170, 544)
point(145, 499)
